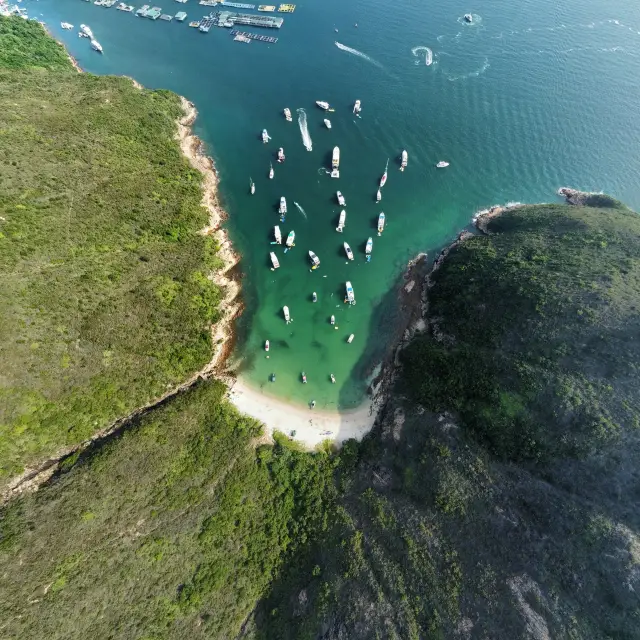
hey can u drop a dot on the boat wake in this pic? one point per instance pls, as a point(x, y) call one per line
point(473, 74)
point(477, 20)
point(304, 129)
point(419, 52)
point(301, 210)
point(355, 52)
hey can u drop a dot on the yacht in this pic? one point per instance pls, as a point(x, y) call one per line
point(378, 196)
point(287, 114)
point(468, 18)
point(327, 123)
point(280, 154)
point(323, 105)
point(350, 338)
point(383, 180)
point(265, 136)
point(287, 317)
point(283, 205)
point(369, 248)
point(404, 161)
point(87, 32)
point(350, 295)
point(315, 261)
point(335, 163)
point(442, 164)
point(274, 260)
point(66, 25)
point(348, 251)
point(341, 201)
point(341, 221)
point(356, 107)
point(96, 46)
point(277, 235)
point(271, 172)
point(381, 224)
point(291, 238)
point(332, 320)
point(266, 345)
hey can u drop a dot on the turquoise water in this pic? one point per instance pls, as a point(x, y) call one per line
point(529, 98)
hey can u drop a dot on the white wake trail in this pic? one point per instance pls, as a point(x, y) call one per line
point(355, 52)
point(301, 210)
point(304, 129)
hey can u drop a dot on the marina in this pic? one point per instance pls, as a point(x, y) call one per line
point(253, 36)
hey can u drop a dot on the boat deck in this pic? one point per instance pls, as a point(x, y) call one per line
point(254, 36)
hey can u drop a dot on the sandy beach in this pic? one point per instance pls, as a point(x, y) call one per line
point(312, 426)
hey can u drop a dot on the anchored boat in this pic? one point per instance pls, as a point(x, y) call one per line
point(335, 163)
point(324, 105)
point(342, 221)
point(266, 345)
point(87, 32)
point(287, 317)
point(315, 261)
point(348, 251)
point(333, 379)
point(350, 338)
point(350, 295)
point(271, 172)
point(369, 248)
point(327, 123)
point(277, 235)
point(314, 297)
point(304, 378)
point(378, 196)
point(291, 238)
point(383, 180)
point(341, 201)
point(96, 46)
point(332, 320)
point(265, 136)
point(66, 25)
point(442, 164)
point(274, 260)
point(280, 154)
point(252, 186)
point(381, 220)
point(283, 205)
point(403, 162)
point(287, 114)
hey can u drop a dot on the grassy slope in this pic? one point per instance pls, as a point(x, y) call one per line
point(103, 299)
point(509, 507)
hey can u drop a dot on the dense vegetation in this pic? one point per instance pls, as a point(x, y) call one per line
point(104, 296)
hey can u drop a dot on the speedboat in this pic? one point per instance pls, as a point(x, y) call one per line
point(287, 114)
point(266, 345)
point(283, 205)
point(369, 248)
point(341, 201)
point(428, 58)
point(357, 108)
point(314, 297)
point(341, 221)
point(291, 238)
point(280, 154)
point(383, 180)
point(96, 46)
point(348, 251)
point(332, 320)
point(273, 377)
point(381, 224)
point(327, 123)
point(271, 172)
point(442, 164)
point(335, 163)
point(274, 260)
point(468, 18)
point(265, 136)
point(304, 378)
point(378, 196)
point(333, 378)
point(277, 235)
point(287, 317)
point(405, 159)
point(315, 261)
point(350, 338)
point(252, 186)
point(350, 296)
point(66, 25)
point(87, 32)
point(323, 105)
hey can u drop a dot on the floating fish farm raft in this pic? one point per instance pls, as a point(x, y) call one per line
point(229, 19)
point(254, 36)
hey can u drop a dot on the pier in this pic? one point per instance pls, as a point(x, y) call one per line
point(229, 19)
point(254, 36)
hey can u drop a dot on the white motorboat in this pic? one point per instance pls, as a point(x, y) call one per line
point(265, 136)
point(96, 46)
point(291, 238)
point(271, 172)
point(350, 338)
point(381, 220)
point(332, 320)
point(277, 235)
point(315, 261)
point(327, 123)
point(468, 18)
point(383, 180)
point(356, 107)
point(283, 205)
point(66, 25)
point(348, 251)
point(335, 163)
point(280, 154)
point(341, 221)
point(404, 160)
point(266, 345)
point(324, 105)
point(252, 186)
point(304, 378)
point(333, 379)
point(314, 297)
point(442, 164)
point(341, 201)
point(287, 317)
point(350, 295)
point(87, 32)
point(274, 260)
point(378, 196)
point(287, 114)
point(369, 248)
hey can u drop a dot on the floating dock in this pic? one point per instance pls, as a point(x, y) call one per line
point(229, 19)
point(180, 16)
point(254, 36)
point(144, 12)
point(166, 17)
point(287, 8)
point(240, 38)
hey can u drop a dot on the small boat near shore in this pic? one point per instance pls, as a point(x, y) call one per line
point(341, 201)
point(357, 108)
point(315, 261)
point(271, 172)
point(287, 316)
point(378, 196)
point(404, 160)
point(327, 123)
point(347, 250)
point(383, 179)
point(66, 25)
point(332, 320)
point(314, 297)
point(369, 246)
point(86, 30)
point(341, 221)
point(325, 106)
point(96, 46)
point(350, 338)
point(442, 164)
point(277, 234)
point(287, 114)
point(291, 238)
point(381, 221)
point(266, 345)
point(283, 205)
point(335, 163)
point(280, 154)
point(274, 260)
point(265, 136)
point(350, 296)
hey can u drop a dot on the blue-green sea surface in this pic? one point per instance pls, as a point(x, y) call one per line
point(530, 97)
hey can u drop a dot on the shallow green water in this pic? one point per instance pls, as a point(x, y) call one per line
point(530, 98)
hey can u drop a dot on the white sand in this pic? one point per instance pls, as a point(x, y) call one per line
point(312, 426)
